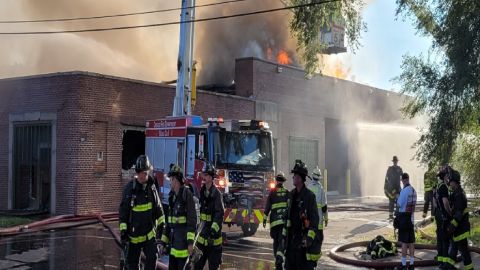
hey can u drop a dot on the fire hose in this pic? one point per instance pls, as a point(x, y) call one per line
point(335, 254)
point(77, 220)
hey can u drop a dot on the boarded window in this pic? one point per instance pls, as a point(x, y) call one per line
point(304, 149)
point(32, 144)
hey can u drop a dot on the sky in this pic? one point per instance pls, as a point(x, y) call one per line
point(387, 39)
point(150, 54)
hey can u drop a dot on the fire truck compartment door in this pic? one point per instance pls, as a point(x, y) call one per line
point(190, 155)
point(171, 153)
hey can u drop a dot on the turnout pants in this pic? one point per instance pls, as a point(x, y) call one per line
point(276, 234)
point(392, 205)
point(297, 259)
point(149, 249)
point(461, 246)
point(211, 253)
point(428, 197)
point(443, 242)
point(176, 263)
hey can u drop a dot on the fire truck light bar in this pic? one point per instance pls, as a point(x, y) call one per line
point(215, 120)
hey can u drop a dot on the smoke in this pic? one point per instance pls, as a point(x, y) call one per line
point(147, 53)
point(219, 43)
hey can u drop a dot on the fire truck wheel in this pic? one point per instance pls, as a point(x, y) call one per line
point(249, 229)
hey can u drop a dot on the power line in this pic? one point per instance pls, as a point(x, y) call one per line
point(119, 15)
point(170, 23)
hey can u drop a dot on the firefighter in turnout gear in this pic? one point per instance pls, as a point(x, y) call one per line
point(459, 227)
point(141, 217)
point(443, 215)
point(276, 207)
point(429, 183)
point(211, 215)
point(316, 187)
point(303, 241)
point(181, 222)
point(392, 185)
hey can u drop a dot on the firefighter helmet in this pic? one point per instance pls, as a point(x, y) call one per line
point(176, 171)
point(445, 171)
point(395, 158)
point(142, 164)
point(455, 176)
point(317, 174)
point(300, 168)
point(209, 169)
point(280, 177)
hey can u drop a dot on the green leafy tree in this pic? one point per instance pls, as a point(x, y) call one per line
point(445, 84)
point(307, 23)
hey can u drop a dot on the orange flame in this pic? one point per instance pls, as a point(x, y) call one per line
point(283, 58)
point(336, 68)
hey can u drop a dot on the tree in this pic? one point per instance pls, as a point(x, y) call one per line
point(307, 22)
point(445, 84)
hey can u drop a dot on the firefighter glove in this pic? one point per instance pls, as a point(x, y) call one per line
point(279, 260)
point(123, 236)
point(161, 249)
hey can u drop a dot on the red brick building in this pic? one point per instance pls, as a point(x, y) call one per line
point(62, 135)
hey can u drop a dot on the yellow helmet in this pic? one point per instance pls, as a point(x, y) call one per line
point(317, 174)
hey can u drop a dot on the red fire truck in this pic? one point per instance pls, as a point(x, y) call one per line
point(240, 150)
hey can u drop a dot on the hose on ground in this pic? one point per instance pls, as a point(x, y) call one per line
point(335, 254)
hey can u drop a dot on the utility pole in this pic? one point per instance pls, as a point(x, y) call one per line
point(182, 102)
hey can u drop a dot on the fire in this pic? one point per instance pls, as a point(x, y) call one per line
point(334, 67)
point(283, 58)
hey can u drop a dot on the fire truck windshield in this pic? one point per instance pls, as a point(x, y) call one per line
point(244, 149)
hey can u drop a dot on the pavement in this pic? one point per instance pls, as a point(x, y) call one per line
point(351, 219)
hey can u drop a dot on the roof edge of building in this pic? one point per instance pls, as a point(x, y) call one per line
point(316, 74)
point(84, 73)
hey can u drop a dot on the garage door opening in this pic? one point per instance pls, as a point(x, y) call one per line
point(32, 159)
point(133, 144)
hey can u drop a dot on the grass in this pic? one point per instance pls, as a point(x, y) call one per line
point(430, 230)
point(10, 221)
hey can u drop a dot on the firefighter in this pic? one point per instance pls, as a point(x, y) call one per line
point(443, 215)
point(429, 183)
point(406, 209)
point(459, 227)
point(276, 207)
point(392, 185)
point(179, 232)
point(316, 187)
point(303, 242)
point(141, 216)
point(211, 216)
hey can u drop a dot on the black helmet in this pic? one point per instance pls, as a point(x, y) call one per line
point(300, 168)
point(280, 177)
point(455, 176)
point(142, 164)
point(209, 169)
point(446, 170)
point(395, 158)
point(176, 171)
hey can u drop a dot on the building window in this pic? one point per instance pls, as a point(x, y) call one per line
point(133, 146)
point(31, 166)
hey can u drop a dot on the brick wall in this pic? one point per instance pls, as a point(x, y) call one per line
point(85, 102)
